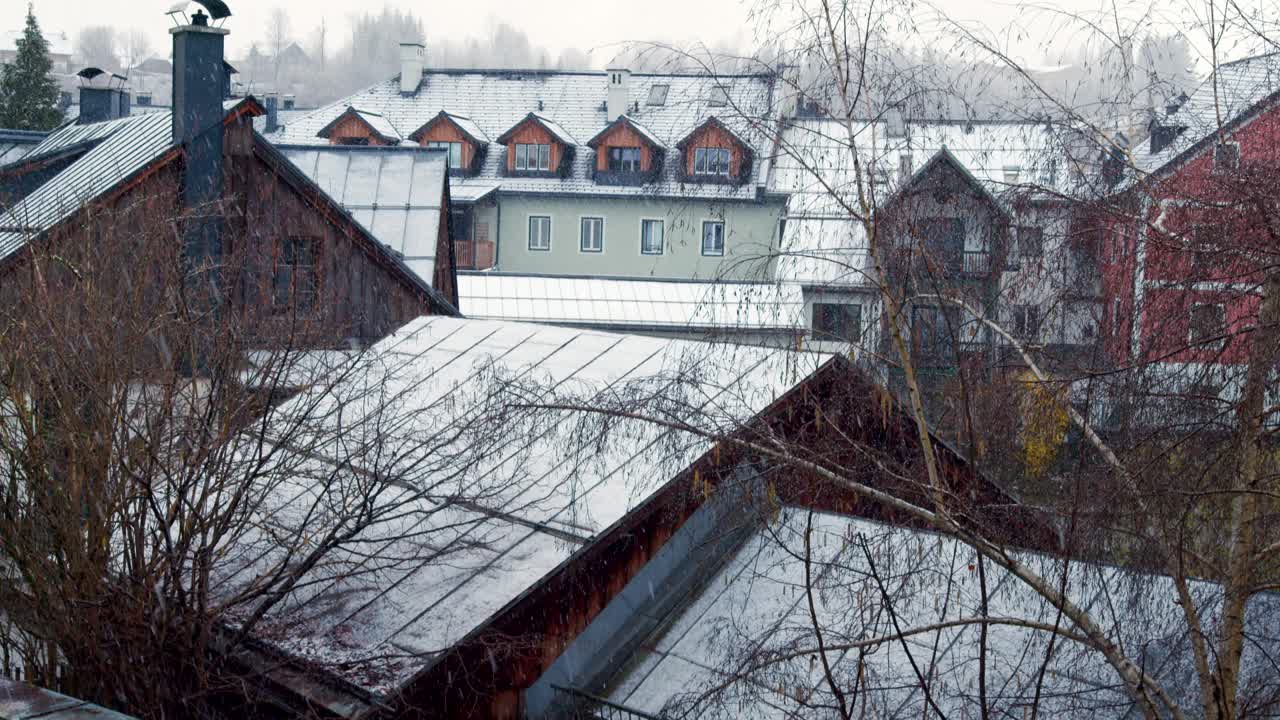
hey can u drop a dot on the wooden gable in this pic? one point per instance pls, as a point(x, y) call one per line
point(532, 131)
point(351, 129)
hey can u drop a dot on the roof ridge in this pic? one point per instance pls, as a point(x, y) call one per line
point(1248, 59)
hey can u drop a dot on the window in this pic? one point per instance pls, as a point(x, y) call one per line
point(1026, 321)
point(539, 232)
point(592, 239)
point(658, 94)
point(624, 159)
point(1115, 316)
point(143, 99)
point(533, 158)
point(904, 165)
point(1226, 157)
point(718, 97)
point(711, 161)
point(651, 237)
point(294, 279)
point(713, 238)
point(1208, 324)
point(351, 141)
point(932, 337)
point(455, 152)
point(832, 321)
point(1030, 241)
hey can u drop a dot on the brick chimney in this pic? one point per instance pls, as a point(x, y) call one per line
point(619, 92)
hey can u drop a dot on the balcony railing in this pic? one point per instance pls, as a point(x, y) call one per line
point(976, 262)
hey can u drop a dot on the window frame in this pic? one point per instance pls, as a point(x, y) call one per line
point(1219, 166)
point(286, 260)
point(582, 236)
point(703, 243)
point(522, 152)
point(658, 98)
point(622, 151)
point(703, 162)
point(1025, 319)
point(547, 235)
point(827, 335)
point(448, 146)
point(662, 241)
point(1206, 343)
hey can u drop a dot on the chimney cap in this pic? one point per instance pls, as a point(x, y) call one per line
point(218, 10)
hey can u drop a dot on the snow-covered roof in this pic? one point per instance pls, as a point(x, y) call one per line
point(412, 585)
point(756, 607)
point(622, 304)
point(17, 144)
point(816, 166)
point(20, 701)
point(496, 100)
point(124, 147)
point(1233, 89)
point(640, 129)
point(394, 192)
point(379, 124)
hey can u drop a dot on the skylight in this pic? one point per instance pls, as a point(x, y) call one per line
point(658, 94)
point(719, 96)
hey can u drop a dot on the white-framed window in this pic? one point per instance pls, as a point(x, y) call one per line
point(651, 237)
point(711, 161)
point(713, 237)
point(533, 157)
point(455, 152)
point(539, 232)
point(592, 235)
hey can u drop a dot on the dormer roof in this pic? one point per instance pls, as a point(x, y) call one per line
point(561, 135)
point(465, 125)
point(713, 122)
point(626, 121)
point(378, 125)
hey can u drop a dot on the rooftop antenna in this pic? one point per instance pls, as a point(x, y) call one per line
point(218, 11)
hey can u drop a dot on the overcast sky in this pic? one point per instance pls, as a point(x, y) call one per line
point(558, 24)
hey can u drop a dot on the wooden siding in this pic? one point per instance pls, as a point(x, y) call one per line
point(359, 296)
point(621, 136)
point(531, 133)
point(352, 126)
point(710, 136)
point(444, 130)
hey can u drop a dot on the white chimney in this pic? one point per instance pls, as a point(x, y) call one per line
point(413, 58)
point(619, 92)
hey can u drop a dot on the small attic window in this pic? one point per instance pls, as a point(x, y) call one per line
point(719, 96)
point(658, 94)
point(1011, 173)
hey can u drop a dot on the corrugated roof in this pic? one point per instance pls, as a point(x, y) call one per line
point(17, 144)
point(414, 584)
point(496, 100)
point(129, 146)
point(621, 304)
point(757, 606)
point(394, 193)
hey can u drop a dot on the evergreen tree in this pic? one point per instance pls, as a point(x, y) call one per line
point(28, 93)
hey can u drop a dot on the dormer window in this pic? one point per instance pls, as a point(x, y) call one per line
point(538, 146)
point(357, 126)
point(714, 153)
point(465, 142)
point(627, 153)
point(711, 161)
point(533, 157)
